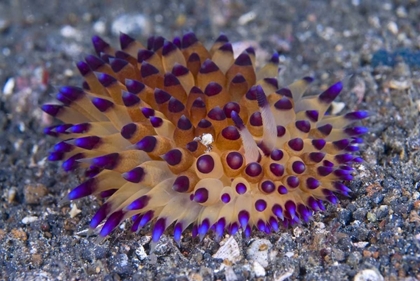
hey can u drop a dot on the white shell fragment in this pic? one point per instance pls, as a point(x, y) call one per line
point(229, 251)
point(258, 251)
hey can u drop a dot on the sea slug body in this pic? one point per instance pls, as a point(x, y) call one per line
point(175, 134)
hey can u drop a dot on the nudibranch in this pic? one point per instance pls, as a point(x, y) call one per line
point(175, 134)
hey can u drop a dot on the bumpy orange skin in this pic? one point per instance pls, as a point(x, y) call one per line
point(173, 133)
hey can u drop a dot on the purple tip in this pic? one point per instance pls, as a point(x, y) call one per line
point(71, 93)
point(292, 181)
point(94, 62)
point(134, 86)
point(256, 119)
point(175, 106)
point(87, 142)
point(231, 133)
point(181, 184)
point(139, 203)
point(268, 186)
point(285, 92)
point(201, 195)
point(343, 158)
point(261, 226)
point(313, 204)
point(233, 228)
point(303, 126)
point(148, 112)
point(272, 81)
point(316, 156)
point(128, 130)
point(274, 224)
point(243, 60)
point(212, 89)
point(188, 39)
point(250, 50)
point(161, 96)
point(231, 106)
point(51, 109)
point(205, 164)
point(168, 47)
point(118, 64)
point(108, 161)
point(99, 44)
point(72, 163)
point(49, 131)
point(356, 131)
point(240, 188)
point(319, 143)
point(220, 227)
point(158, 43)
point(281, 131)
point(227, 47)
point(326, 129)
point(144, 55)
point(150, 42)
point(184, 123)
point(130, 99)
point(80, 128)
point(290, 208)
point(298, 167)
point(158, 229)
point(102, 104)
point(275, 58)
point(83, 68)
point(296, 144)
point(192, 146)
point(234, 160)
point(106, 80)
point(324, 171)
point(225, 198)
point(208, 66)
point(63, 147)
point(177, 232)
point(357, 115)
point(283, 104)
point(136, 175)
point(304, 213)
point(313, 115)
point(177, 41)
point(204, 123)
point(222, 38)
point(170, 80)
point(253, 169)
point(217, 114)
point(100, 215)
point(55, 156)
point(125, 40)
point(156, 121)
point(243, 218)
point(341, 144)
point(276, 154)
point(147, 144)
point(331, 93)
point(203, 228)
point(278, 211)
point(147, 70)
point(147, 217)
point(83, 190)
point(277, 169)
point(173, 157)
point(179, 70)
point(312, 183)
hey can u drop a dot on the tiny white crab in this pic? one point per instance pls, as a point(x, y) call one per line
point(206, 139)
